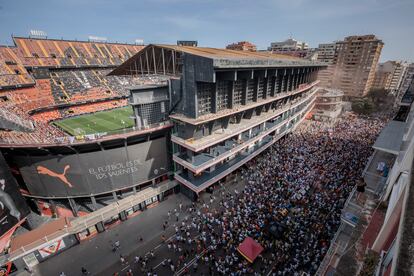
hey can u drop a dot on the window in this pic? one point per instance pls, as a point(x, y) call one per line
point(250, 90)
point(17, 72)
point(53, 55)
point(260, 88)
point(204, 97)
point(238, 92)
point(35, 55)
point(223, 89)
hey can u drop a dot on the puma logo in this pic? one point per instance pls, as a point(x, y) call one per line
point(61, 176)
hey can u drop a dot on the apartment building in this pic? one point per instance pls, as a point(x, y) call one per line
point(389, 76)
point(326, 53)
point(242, 46)
point(355, 62)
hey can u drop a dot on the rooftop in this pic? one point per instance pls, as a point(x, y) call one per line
point(221, 59)
point(390, 138)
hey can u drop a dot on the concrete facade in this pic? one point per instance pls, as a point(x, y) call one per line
point(355, 63)
point(328, 105)
point(389, 76)
point(242, 46)
point(405, 82)
point(288, 45)
point(226, 106)
point(326, 53)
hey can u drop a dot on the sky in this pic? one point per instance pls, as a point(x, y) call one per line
point(215, 23)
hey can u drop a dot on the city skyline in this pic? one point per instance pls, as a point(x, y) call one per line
point(215, 24)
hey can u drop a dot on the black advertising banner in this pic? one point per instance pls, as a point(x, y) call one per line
point(13, 207)
point(93, 172)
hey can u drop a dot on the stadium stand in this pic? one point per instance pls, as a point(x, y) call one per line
point(67, 53)
point(43, 80)
point(12, 71)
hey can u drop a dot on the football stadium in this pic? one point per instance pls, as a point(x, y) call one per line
point(94, 134)
point(98, 122)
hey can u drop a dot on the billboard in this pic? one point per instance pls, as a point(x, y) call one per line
point(13, 207)
point(93, 172)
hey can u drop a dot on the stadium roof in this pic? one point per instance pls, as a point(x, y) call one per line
point(16, 38)
point(165, 59)
point(216, 53)
point(390, 138)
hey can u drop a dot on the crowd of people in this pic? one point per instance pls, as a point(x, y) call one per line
point(300, 184)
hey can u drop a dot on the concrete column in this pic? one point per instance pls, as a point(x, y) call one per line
point(302, 76)
point(190, 155)
point(95, 206)
point(73, 206)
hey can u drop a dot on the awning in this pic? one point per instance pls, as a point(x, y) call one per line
point(250, 249)
point(390, 138)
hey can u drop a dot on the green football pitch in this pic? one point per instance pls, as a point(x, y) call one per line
point(102, 121)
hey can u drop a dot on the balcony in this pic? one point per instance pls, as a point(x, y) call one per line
point(235, 129)
point(218, 153)
point(376, 171)
point(227, 112)
point(206, 179)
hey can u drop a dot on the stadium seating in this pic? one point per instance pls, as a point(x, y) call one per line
point(72, 82)
point(65, 53)
point(93, 107)
point(12, 72)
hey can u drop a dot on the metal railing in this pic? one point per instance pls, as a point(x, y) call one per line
point(80, 139)
point(334, 244)
point(80, 224)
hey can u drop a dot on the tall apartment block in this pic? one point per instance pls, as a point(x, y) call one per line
point(242, 46)
point(405, 83)
point(326, 54)
point(226, 106)
point(355, 61)
point(389, 76)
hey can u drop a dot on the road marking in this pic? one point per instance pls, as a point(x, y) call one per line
point(125, 268)
point(197, 257)
point(155, 267)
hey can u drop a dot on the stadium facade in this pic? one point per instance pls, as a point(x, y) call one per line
point(43, 81)
point(200, 113)
point(226, 106)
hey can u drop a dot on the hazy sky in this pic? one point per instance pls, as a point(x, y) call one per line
point(215, 23)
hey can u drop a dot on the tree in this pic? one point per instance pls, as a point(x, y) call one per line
point(362, 106)
point(378, 95)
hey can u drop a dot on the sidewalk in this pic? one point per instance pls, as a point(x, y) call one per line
point(96, 254)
